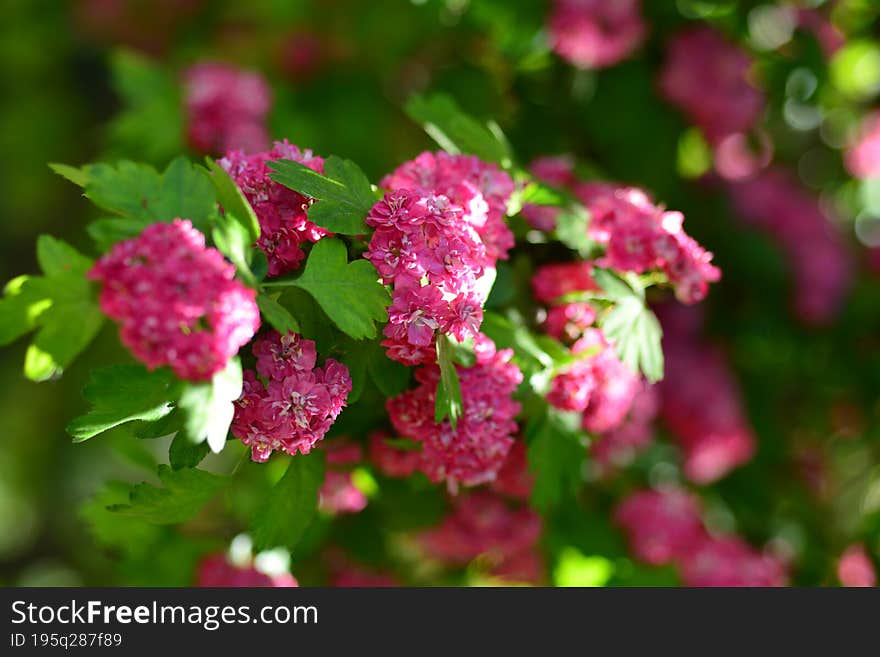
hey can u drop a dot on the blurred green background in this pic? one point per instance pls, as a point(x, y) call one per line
point(341, 71)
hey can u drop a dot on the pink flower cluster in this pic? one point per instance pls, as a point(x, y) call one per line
point(665, 526)
point(473, 451)
point(700, 402)
point(216, 571)
point(640, 236)
point(707, 78)
point(281, 212)
point(820, 262)
point(617, 447)
point(855, 568)
point(177, 302)
point(297, 404)
point(438, 232)
point(226, 108)
point(338, 493)
point(596, 33)
point(599, 385)
point(514, 479)
point(863, 157)
point(484, 524)
point(393, 461)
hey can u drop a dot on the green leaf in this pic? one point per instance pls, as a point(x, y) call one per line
point(277, 315)
point(632, 326)
point(455, 131)
point(290, 508)
point(61, 305)
point(208, 407)
point(233, 240)
point(448, 401)
point(232, 199)
point(112, 530)
point(78, 177)
point(120, 394)
point(344, 193)
point(107, 232)
point(183, 453)
point(139, 194)
point(555, 454)
point(571, 229)
point(183, 494)
point(348, 292)
point(151, 123)
point(367, 358)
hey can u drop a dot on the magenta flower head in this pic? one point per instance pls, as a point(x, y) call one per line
point(281, 212)
point(176, 300)
point(594, 34)
point(298, 403)
point(226, 108)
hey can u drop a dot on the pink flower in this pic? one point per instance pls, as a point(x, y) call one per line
point(701, 405)
point(484, 524)
point(730, 561)
point(339, 495)
point(568, 321)
point(820, 262)
point(297, 405)
point(662, 526)
point(226, 108)
point(863, 157)
point(216, 571)
point(551, 282)
point(596, 33)
point(707, 78)
point(640, 236)
point(617, 447)
point(281, 212)
point(177, 302)
point(390, 460)
point(514, 478)
point(855, 568)
point(475, 450)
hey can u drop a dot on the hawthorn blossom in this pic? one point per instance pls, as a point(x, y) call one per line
point(730, 561)
point(662, 526)
point(640, 236)
point(855, 568)
point(298, 402)
point(821, 264)
point(618, 446)
point(281, 212)
point(701, 404)
point(338, 493)
point(596, 33)
point(226, 108)
point(484, 524)
point(437, 234)
point(216, 571)
point(473, 452)
point(514, 479)
point(393, 461)
point(177, 301)
point(708, 78)
point(552, 282)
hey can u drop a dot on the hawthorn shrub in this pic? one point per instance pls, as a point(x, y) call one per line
point(484, 366)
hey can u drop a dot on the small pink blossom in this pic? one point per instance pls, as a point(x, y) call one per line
point(855, 568)
point(662, 526)
point(177, 301)
point(216, 571)
point(596, 33)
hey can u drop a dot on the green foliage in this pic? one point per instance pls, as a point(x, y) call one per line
point(208, 407)
point(142, 196)
point(277, 315)
point(184, 453)
point(448, 403)
point(555, 454)
point(151, 124)
point(61, 305)
point(456, 132)
point(366, 359)
point(123, 393)
point(232, 199)
point(290, 508)
point(348, 292)
point(344, 193)
point(571, 229)
point(632, 326)
point(182, 495)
